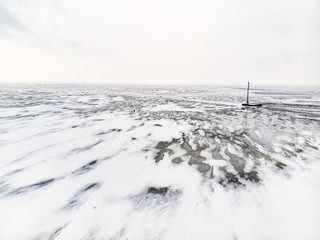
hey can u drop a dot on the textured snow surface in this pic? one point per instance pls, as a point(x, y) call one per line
point(128, 162)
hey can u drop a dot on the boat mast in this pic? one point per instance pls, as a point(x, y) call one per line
point(248, 93)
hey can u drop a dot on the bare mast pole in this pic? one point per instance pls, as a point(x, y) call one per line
point(247, 104)
point(248, 93)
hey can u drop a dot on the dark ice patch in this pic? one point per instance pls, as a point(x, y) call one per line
point(102, 133)
point(230, 180)
point(237, 180)
point(252, 176)
point(109, 131)
point(53, 235)
point(214, 140)
point(177, 160)
point(280, 165)
point(157, 198)
point(116, 130)
point(91, 186)
point(163, 146)
point(32, 187)
point(78, 197)
point(86, 168)
point(161, 191)
point(3, 186)
point(14, 172)
point(83, 149)
point(203, 167)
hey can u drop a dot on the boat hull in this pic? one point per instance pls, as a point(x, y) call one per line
point(251, 105)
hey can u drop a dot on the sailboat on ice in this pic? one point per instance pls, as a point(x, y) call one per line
point(247, 104)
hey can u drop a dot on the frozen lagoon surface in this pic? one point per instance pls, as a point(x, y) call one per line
point(135, 162)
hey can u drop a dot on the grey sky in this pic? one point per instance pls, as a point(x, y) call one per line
point(160, 42)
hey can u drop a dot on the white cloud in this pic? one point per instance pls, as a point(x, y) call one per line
point(162, 42)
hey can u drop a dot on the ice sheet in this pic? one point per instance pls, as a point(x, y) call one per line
point(129, 162)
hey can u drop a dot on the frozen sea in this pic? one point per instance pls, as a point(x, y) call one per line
point(146, 162)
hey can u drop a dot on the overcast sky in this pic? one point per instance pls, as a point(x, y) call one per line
point(160, 41)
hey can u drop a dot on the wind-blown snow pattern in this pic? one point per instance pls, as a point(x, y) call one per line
point(141, 162)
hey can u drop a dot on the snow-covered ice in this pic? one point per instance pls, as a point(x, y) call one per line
point(142, 162)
